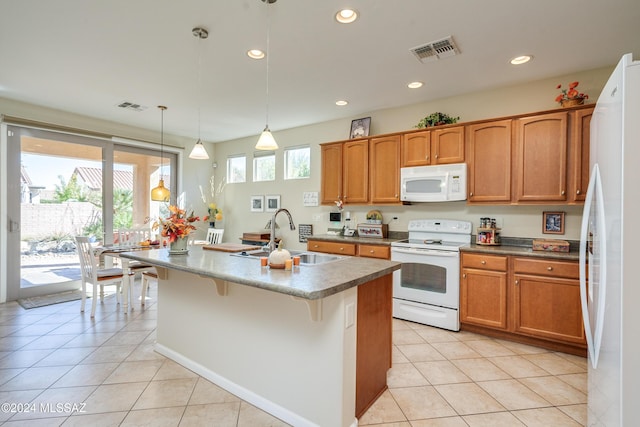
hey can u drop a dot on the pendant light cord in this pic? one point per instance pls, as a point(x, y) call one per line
point(268, 56)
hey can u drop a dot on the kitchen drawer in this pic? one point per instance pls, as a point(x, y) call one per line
point(544, 267)
point(331, 247)
point(374, 251)
point(484, 262)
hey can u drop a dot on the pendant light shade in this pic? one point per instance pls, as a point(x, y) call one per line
point(266, 140)
point(199, 152)
point(161, 193)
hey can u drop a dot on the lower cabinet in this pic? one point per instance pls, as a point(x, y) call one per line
point(530, 300)
point(483, 291)
point(352, 249)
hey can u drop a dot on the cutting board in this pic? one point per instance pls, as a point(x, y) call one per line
point(230, 247)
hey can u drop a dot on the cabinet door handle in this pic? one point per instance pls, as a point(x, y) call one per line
point(342, 249)
point(437, 156)
point(483, 262)
point(372, 251)
point(464, 276)
point(426, 157)
point(549, 268)
point(517, 282)
point(562, 192)
point(471, 194)
point(315, 246)
point(578, 192)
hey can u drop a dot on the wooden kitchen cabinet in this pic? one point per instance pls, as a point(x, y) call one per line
point(331, 247)
point(547, 300)
point(483, 290)
point(355, 171)
point(579, 137)
point(374, 251)
point(416, 149)
point(447, 145)
point(384, 169)
point(331, 172)
point(540, 166)
point(488, 148)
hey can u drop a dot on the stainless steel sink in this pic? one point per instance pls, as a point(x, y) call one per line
point(306, 258)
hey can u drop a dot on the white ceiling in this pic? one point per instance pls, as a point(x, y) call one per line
point(86, 57)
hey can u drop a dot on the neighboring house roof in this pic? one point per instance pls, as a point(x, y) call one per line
point(92, 177)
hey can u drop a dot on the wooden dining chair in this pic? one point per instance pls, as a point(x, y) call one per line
point(148, 277)
point(91, 273)
point(214, 236)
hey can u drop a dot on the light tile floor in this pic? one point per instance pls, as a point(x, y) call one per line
point(58, 367)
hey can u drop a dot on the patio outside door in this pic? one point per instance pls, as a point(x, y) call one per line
point(62, 185)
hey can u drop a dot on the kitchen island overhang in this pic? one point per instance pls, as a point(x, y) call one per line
point(297, 344)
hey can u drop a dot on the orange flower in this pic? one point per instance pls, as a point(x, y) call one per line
point(570, 93)
point(177, 225)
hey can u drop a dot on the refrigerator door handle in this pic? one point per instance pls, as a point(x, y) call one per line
point(594, 336)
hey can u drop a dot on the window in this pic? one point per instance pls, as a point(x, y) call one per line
point(297, 163)
point(237, 169)
point(264, 166)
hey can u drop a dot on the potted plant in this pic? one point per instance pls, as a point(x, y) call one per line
point(436, 119)
point(570, 96)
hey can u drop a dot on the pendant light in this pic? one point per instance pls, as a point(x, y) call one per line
point(266, 140)
point(161, 193)
point(199, 152)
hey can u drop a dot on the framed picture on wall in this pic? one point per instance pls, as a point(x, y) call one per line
point(257, 203)
point(272, 203)
point(553, 222)
point(360, 127)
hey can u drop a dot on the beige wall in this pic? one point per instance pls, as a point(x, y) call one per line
point(516, 220)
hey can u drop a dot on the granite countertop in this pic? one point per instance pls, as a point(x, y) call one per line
point(523, 247)
point(306, 281)
point(361, 240)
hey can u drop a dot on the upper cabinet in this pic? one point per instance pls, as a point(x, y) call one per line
point(355, 171)
point(416, 149)
point(489, 160)
point(540, 158)
point(447, 145)
point(433, 147)
point(579, 136)
point(384, 169)
point(331, 170)
point(540, 165)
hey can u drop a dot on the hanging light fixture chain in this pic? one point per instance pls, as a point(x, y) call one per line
point(268, 59)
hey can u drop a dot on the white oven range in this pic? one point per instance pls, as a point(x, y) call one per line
point(427, 288)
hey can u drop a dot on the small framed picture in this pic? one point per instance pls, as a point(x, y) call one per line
point(360, 127)
point(257, 203)
point(553, 222)
point(272, 203)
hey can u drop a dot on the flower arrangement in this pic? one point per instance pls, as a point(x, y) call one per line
point(215, 213)
point(177, 225)
point(570, 93)
point(436, 119)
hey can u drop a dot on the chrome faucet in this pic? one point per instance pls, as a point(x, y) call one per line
point(272, 238)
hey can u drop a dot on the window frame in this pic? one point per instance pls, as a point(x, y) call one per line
point(286, 162)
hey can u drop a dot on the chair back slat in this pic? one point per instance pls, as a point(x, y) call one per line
point(214, 236)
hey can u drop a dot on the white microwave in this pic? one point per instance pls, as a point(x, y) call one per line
point(439, 183)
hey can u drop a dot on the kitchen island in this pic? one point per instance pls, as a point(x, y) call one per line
point(311, 346)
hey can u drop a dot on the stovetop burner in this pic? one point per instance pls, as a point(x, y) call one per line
point(433, 241)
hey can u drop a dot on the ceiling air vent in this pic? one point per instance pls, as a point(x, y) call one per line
point(132, 106)
point(438, 49)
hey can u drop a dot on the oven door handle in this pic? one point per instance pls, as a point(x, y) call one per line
point(430, 252)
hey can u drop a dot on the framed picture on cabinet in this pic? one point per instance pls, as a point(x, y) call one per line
point(553, 222)
point(360, 127)
point(257, 203)
point(272, 203)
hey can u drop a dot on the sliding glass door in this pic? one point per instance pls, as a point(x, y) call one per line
point(63, 185)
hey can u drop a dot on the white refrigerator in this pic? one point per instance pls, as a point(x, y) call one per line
point(610, 252)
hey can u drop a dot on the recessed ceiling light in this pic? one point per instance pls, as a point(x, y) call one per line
point(255, 54)
point(341, 103)
point(522, 59)
point(346, 16)
point(415, 85)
